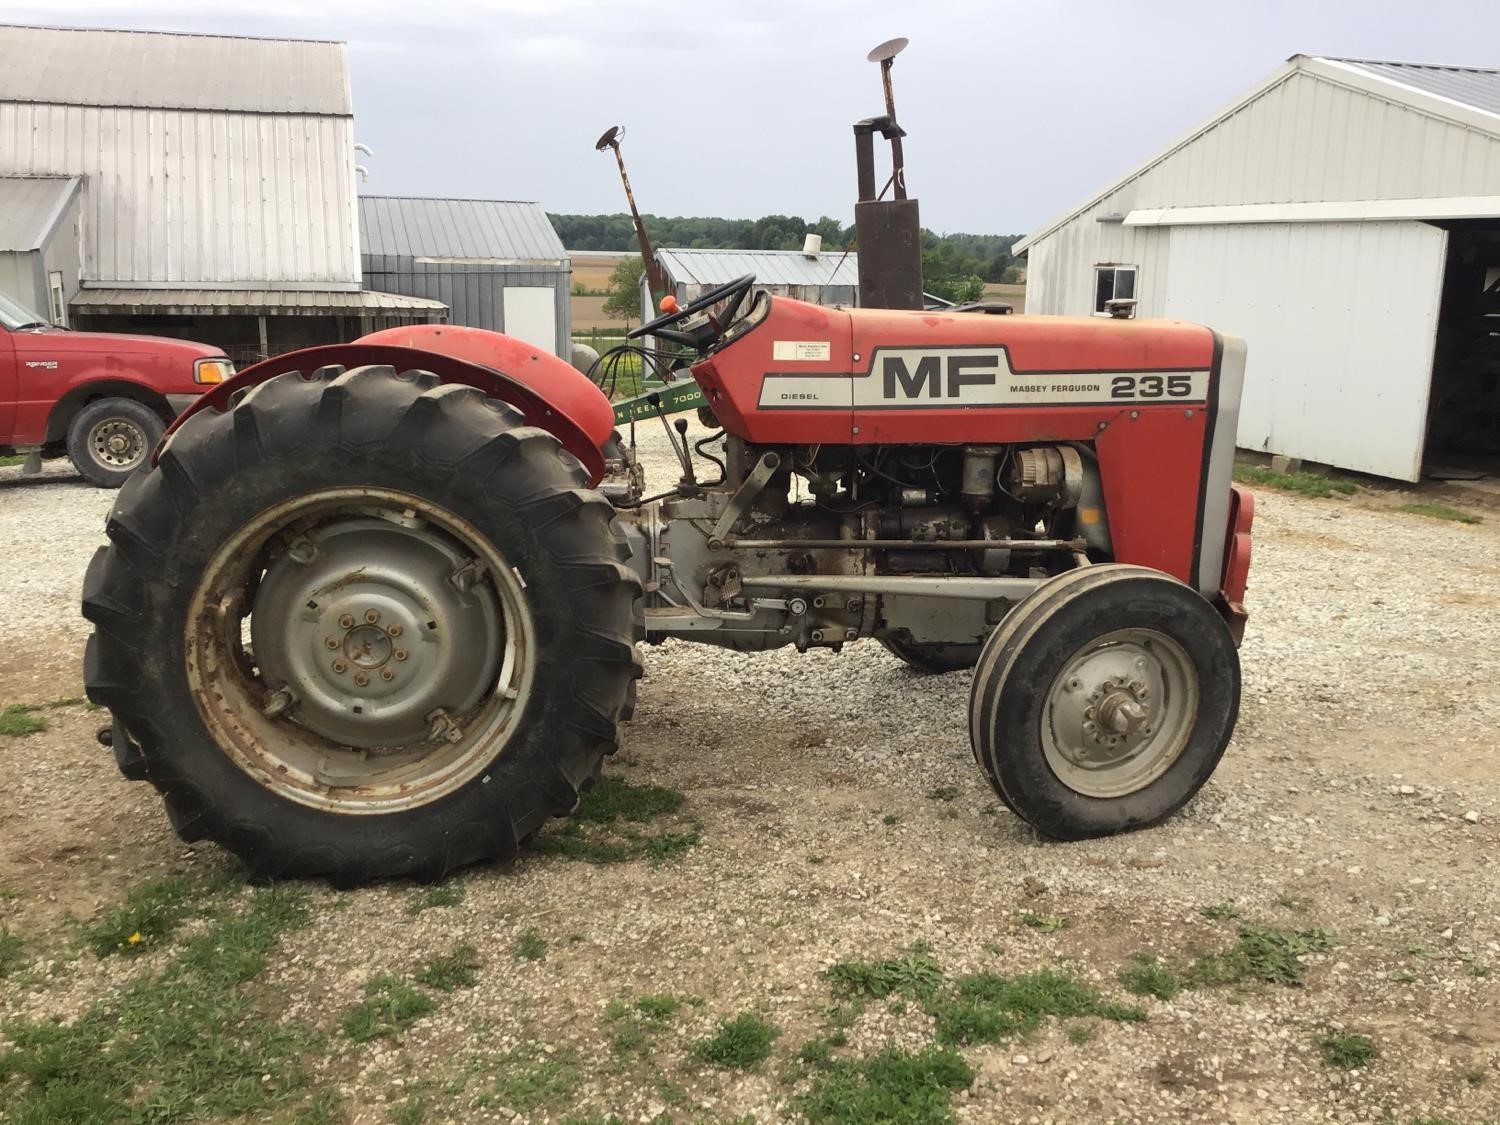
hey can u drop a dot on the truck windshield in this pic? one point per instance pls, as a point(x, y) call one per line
point(14, 315)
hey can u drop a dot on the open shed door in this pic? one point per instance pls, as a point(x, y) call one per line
point(1340, 319)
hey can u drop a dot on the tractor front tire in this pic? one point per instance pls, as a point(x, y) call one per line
point(362, 625)
point(1104, 701)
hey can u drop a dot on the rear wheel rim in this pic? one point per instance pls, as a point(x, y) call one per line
point(360, 650)
point(1120, 713)
point(117, 444)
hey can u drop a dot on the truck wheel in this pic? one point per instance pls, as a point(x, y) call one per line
point(111, 438)
point(362, 625)
point(1104, 701)
point(932, 658)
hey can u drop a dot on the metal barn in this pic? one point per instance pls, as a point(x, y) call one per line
point(1344, 217)
point(823, 278)
point(40, 241)
point(496, 264)
point(217, 182)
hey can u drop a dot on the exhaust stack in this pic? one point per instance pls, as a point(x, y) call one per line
point(888, 231)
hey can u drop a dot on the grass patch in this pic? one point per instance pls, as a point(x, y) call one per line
point(10, 459)
point(605, 828)
point(1347, 1051)
point(658, 1007)
point(1220, 912)
point(896, 1087)
point(915, 974)
point(410, 1112)
point(1262, 953)
point(19, 719)
point(943, 793)
point(1043, 922)
point(528, 1082)
point(988, 1008)
point(1440, 512)
point(738, 1044)
point(150, 914)
point(435, 898)
point(449, 971)
point(189, 1041)
point(12, 951)
point(1302, 483)
point(390, 1005)
point(529, 946)
point(1079, 1034)
point(1150, 977)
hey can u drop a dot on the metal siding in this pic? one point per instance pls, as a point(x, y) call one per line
point(198, 199)
point(770, 267)
point(63, 251)
point(29, 206)
point(1473, 86)
point(1340, 319)
point(18, 279)
point(458, 228)
point(169, 70)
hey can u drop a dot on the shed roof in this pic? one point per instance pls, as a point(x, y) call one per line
point(770, 267)
point(168, 70)
point(252, 302)
point(1468, 96)
point(491, 230)
point(30, 207)
point(1468, 85)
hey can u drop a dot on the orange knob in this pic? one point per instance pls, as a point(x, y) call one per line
point(669, 304)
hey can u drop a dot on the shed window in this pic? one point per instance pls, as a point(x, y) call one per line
point(1113, 283)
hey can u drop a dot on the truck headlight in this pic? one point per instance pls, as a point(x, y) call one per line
point(212, 370)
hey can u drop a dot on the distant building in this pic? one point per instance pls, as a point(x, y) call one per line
point(828, 277)
point(215, 184)
point(496, 264)
point(1344, 217)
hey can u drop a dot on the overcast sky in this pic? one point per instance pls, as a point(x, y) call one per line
point(1016, 109)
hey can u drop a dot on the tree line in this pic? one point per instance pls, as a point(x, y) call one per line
point(954, 266)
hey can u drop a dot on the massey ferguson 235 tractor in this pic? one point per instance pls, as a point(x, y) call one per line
point(374, 609)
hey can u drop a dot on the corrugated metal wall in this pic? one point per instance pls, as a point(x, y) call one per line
point(472, 292)
point(1303, 140)
point(1340, 318)
point(199, 198)
point(18, 279)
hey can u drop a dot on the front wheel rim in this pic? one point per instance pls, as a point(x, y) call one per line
point(1120, 713)
point(117, 444)
point(428, 621)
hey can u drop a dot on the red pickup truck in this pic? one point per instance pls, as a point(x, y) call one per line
point(100, 398)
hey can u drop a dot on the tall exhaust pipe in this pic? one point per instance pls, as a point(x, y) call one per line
point(888, 231)
point(656, 277)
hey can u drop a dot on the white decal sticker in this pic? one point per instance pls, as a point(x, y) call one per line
point(805, 351)
point(49, 364)
point(806, 392)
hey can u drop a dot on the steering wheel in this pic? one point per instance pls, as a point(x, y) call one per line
point(734, 293)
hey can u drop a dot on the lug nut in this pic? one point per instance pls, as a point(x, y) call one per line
point(331, 642)
point(372, 615)
point(400, 654)
point(340, 667)
point(386, 674)
point(394, 630)
point(346, 621)
point(361, 679)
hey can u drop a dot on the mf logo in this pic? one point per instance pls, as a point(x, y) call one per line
point(937, 375)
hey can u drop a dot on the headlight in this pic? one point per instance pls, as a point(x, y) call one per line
point(212, 370)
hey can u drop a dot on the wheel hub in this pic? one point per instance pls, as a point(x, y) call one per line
point(1120, 713)
point(117, 443)
point(363, 622)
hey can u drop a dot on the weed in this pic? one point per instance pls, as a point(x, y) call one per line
point(738, 1044)
point(889, 819)
point(1261, 953)
point(410, 1112)
point(629, 1037)
point(390, 1005)
point(658, 1007)
point(943, 793)
point(19, 719)
point(434, 897)
point(459, 969)
point(529, 946)
point(1346, 1050)
point(1048, 925)
point(151, 913)
point(1302, 483)
point(816, 1053)
point(1221, 912)
point(1079, 1034)
point(1474, 1076)
point(1150, 977)
point(184, 1042)
point(987, 1007)
point(915, 974)
point(12, 951)
point(1296, 905)
point(527, 1083)
point(324, 1108)
point(894, 1086)
point(817, 860)
point(1440, 512)
point(612, 799)
point(1480, 971)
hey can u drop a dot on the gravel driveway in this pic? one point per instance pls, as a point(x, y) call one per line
point(839, 818)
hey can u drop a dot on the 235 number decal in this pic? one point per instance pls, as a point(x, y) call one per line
point(1150, 386)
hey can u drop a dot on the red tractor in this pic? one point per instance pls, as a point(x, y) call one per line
point(374, 609)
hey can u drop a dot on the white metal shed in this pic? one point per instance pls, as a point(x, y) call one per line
point(1344, 217)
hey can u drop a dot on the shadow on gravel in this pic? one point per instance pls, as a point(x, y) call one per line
point(32, 482)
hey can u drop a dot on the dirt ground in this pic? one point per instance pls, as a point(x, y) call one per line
point(839, 818)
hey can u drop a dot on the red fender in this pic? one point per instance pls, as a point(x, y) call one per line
point(550, 395)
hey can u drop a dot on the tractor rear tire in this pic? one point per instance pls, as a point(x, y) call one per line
point(1104, 701)
point(932, 658)
point(296, 545)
